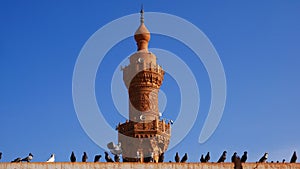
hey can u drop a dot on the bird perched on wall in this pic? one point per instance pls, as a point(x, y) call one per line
point(117, 158)
point(0, 155)
point(244, 157)
point(28, 158)
point(223, 157)
point(283, 160)
point(51, 159)
point(184, 158)
point(294, 157)
point(115, 149)
point(17, 160)
point(97, 158)
point(202, 160)
point(73, 157)
point(177, 158)
point(207, 157)
point(107, 157)
point(161, 158)
point(84, 157)
point(233, 157)
point(264, 158)
point(237, 163)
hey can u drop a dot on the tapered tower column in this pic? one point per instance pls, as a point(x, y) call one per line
point(144, 136)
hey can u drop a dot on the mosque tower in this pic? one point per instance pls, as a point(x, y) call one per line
point(144, 137)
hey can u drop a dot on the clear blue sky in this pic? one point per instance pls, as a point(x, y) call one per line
point(258, 43)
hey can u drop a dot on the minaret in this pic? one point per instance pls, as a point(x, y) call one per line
point(144, 136)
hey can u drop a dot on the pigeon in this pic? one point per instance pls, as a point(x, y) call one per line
point(51, 159)
point(0, 155)
point(97, 158)
point(207, 157)
point(107, 157)
point(84, 157)
point(237, 163)
point(244, 157)
point(114, 149)
point(184, 158)
point(234, 156)
point(294, 157)
point(202, 160)
point(28, 158)
point(17, 160)
point(161, 158)
point(223, 157)
point(283, 161)
point(264, 158)
point(117, 158)
point(73, 157)
point(177, 158)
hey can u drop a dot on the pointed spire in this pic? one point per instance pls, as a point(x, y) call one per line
point(142, 14)
point(142, 35)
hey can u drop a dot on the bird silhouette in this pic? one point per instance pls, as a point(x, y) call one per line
point(237, 163)
point(223, 157)
point(97, 158)
point(107, 157)
point(0, 155)
point(202, 160)
point(283, 160)
point(294, 157)
point(51, 159)
point(207, 157)
point(28, 158)
point(84, 157)
point(177, 158)
point(233, 157)
point(17, 160)
point(244, 157)
point(73, 157)
point(161, 158)
point(117, 158)
point(264, 158)
point(184, 158)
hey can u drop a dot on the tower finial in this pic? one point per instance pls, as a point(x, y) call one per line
point(142, 13)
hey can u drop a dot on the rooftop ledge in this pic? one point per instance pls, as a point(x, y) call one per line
point(127, 165)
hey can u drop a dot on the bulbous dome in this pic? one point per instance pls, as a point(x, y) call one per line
point(142, 35)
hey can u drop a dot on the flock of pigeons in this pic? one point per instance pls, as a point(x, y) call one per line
point(235, 158)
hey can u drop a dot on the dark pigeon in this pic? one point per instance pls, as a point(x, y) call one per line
point(202, 160)
point(84, 157)
point(294, 157)
point(244, 157)
point(0, 155)
point(207, 157)
point(161, 158)
point(97, 158)
point(184, 158)
point(73, 157)
point(117, 158)
point(177, 158)
point(223, 157)
point(234, 156)
point(17, 160)
point(264, 158)
point(28, 158)
point(107, 157)
point(237, 163)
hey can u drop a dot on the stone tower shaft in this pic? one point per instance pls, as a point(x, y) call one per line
point(144, 136)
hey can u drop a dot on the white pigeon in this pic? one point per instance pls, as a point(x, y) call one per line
point(114, 149)
point(51, 159)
